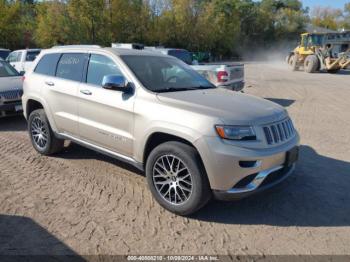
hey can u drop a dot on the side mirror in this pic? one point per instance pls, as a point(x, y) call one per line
point(116, 82)
point(22, 73)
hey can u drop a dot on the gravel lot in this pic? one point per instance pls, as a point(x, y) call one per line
point(81, 202)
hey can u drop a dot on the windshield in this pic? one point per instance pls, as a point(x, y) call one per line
point(165, 74)
point(182, 55)
point(7, 70)
point(4, 54)
point(316, 40)
point(31, 55)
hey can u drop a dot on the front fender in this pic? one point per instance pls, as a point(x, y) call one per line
point(183, 132)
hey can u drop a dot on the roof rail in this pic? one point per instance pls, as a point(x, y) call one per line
point(76, 46)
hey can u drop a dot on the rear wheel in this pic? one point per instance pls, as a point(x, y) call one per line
point(41, 135)
point(177, 179)
point(311, 64)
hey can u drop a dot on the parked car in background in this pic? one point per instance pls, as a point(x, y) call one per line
point(22, 60)
point(228, 75)
point(192, 139)
point(4, 53)
point(10, 90)
point(202, 57)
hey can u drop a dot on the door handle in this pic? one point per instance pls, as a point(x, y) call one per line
point(86, 92)
point(49, 83)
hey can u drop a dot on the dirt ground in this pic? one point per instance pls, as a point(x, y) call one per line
point(81, 202)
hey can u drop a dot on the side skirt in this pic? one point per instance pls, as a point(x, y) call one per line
point(102, 150)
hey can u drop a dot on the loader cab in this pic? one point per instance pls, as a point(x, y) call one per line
point(308, 43)
point(311, 40)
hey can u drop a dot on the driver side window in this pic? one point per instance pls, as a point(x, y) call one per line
point(304, 41)
point(100, 66)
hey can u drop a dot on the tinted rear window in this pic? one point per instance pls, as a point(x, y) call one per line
point(4, 54)
point(47, 64)
point(71, 66)
point(31, 55)
point(182, 55)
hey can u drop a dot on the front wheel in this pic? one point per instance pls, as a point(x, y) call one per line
point(311, 64)
point(177, 178)
point(293, 62)
point(41, 135)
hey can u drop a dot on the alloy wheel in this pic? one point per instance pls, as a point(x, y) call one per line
point(172, 179)
point(39, 133)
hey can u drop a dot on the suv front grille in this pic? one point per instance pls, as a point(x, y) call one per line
point(279, 132)
point(11, 95)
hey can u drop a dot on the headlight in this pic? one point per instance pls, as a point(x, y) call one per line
point(236, 132)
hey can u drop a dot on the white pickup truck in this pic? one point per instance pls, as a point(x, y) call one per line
point(22, 60)
point(226, 75)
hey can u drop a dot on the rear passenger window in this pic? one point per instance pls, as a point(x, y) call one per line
point(14, 57)
point(47, 64)
point(31, 55)
point(19, 57)
point(100, 66)
point(71, 66)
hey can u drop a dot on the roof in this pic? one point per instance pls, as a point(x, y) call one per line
point(29, 49)
point(116, 51)
point(318, 30)
point(127, 51)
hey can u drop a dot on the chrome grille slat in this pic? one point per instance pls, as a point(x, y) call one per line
point(279, 132)
point(285, 129)
point(274, 133)
point(268, 135)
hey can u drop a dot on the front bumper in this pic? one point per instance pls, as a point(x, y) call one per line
point(264, 180)
point(11, 108)
point(230, 166)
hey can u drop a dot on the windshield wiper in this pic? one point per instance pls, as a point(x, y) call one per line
point(204, 87)
point(175, 89)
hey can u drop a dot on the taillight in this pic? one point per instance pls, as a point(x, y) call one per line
point(222, 76)
point(23, 78)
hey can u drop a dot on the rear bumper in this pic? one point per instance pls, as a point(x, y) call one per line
point(237, 86)
point(264, 180)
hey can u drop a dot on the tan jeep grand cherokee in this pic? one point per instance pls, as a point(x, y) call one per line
point(193, 140)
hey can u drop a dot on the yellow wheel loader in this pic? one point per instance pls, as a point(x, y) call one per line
point(321, 51)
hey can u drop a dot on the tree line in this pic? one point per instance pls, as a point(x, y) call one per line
point(225, 27)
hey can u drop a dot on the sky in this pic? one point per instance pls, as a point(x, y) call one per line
point(331, 3)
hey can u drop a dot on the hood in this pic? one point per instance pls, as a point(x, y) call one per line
point(233, 108)
point(10, 83)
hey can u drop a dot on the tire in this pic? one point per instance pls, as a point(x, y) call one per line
point(293, 61)
point(288, 58)
point(311, 64)
point(41, 135)
point(162, 183)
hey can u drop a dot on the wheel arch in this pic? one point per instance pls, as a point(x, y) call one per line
point(159, 137)
point(34, 103)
